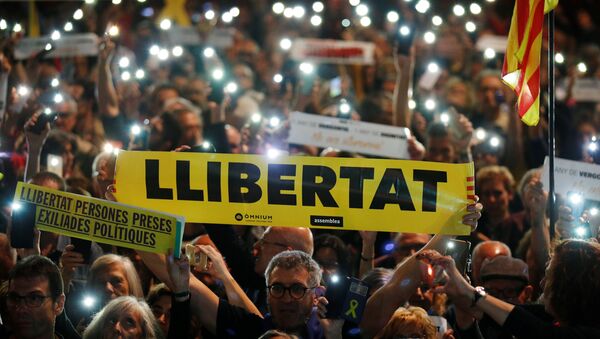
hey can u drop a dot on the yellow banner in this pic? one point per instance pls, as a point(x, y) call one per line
point(101, 221)
point(336, 193)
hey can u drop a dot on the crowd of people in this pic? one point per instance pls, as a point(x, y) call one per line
point(65, 119)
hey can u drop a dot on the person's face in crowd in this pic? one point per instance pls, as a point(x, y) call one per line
point(328, 260)
point(198, 91)
point(112, 282)
point(31, 310)
point(488, 88)
point(271, 244)
point(458, 95)
point(234, 138)
point(191, 127)
point(408, 244)
point(483, 159)
point(495, 197)
point(440, 149)
point(290, 313)
point(243, 77)
point(162, 96)
point(124, 326)
point(162, 312)
point(511, 291)
point(66, 119)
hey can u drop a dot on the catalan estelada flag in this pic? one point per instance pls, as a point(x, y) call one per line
point(521, 69)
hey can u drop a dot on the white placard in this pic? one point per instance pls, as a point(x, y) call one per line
point(587, 90)
point(349, 135)
point(67, 46)
point(333, 51)
point(496, 42)
point(574, 176)
point(179, 35)
point(441, 325)
point(221, 38)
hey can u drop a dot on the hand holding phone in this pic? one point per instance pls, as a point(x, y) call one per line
point(459, 250)
point(22, 225)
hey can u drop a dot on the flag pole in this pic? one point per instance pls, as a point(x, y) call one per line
point(551, 138)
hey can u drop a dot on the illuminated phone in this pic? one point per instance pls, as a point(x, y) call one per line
point(460, 251)
point(54, 164)
point(47, 116)
point(22, 225)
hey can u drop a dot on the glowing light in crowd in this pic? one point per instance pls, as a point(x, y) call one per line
point(393, 16)
point(124, 62)
point(429, 37)
point(490, 0)
point(209, 15)
point(165, 24)
point(288, 12)
point(306, 68)
point(277, 78)
point(299, 12)
point(445, 118)
point(404, 30)
point(480, 134)
point(116, 2)
point(412, 104)
point(113, 30)
point(54, 162)
point(575, 198)
point(3, 24)
point(494, 141)
point(78, 14)
point(437, 20)
point(458, 10)
point(68, 26)
point(450, 245)
point(136, 129)
point(318, 7)
point(141, 1)
point(154, 49)
point(90, 2)
point(278, 8)
point(285, 44)
point(475, 8)
point(335, 278)
point(593, 147)
point(55, 82)
point(581, 67)
point(47, 111)
point(17, 28)
point(48, 46)
point(177, 51)
point(140, 74)
point(273, 153)
point(55, 35)
point(422, 6)
point(227, 17)
point(470, 26)
point(163, 54)
point(559, 58)
point(316, 20)
point(362, 10)
point(209, 52)
point(430, 104)
point(231, 87)
point(218, 74)
point(274, 122)
point(580, 232)
point(433, 67)
point(58, 98)
point(234, 11)
point(354, 3)
point(256, 118)
point(206, 145)
point(346, 23)
point(345, 107)
point(593, 211)
point(489, 53)
point(23, 90)
point(16, 206)
point(365, 21)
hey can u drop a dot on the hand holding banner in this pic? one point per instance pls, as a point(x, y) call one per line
point(100, 220)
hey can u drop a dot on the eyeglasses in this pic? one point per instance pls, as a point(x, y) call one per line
point(260, 242)
point(31, 300)
point(297, 291)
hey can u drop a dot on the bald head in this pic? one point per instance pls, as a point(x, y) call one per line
point(487, 250)
point(278, 239)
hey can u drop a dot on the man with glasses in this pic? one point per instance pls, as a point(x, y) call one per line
point(35, 298)
point(292, 277)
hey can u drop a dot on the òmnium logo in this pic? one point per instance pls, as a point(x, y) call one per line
point(322, 220)
point(250, 217)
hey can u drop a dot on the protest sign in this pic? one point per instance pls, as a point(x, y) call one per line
point(349, 135)
point(100, 220)
point(574, 177)
point(67, 46)
point(337, 193)
point(497, 43)
point(333, 51)
point(219, 38)
point(586, 90)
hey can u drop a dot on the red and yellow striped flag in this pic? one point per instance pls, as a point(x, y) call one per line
point(521, 69)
